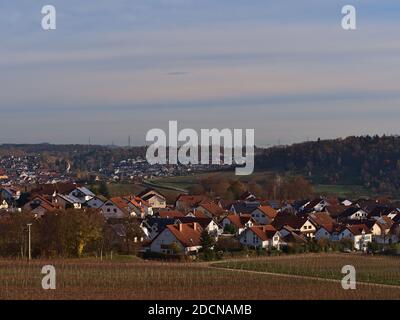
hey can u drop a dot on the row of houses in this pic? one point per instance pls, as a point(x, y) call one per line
point(253, 222)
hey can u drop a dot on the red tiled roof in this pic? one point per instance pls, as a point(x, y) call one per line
point(264, 232)
point(239, 221)
point(268, 211)
point(189, 234)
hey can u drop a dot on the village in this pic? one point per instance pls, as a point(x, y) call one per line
point(192, 222)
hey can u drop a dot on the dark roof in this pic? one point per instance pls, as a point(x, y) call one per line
point(286, 219)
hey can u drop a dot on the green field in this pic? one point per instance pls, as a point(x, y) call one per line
point(383, 270)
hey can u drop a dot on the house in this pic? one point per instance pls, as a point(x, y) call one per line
point(211, 210)
point(67, 202)
point(186, 202)
point(169, 214)
point(40, 206)
point(115, 208)
point(244, 207)
point(265, 237)
point(185, 237)
point(155, 199)
point(383, 232)
point(353, 213)
point(96, 202)
point(239, 222)
point(82, 193)
point(263, 214)
point(359, 234)
point(3, 204)
point(326, 226)
point(52, 189)
point(154, 226)
point(141, 208)
point(300, 223)
point(10, 194)
point(207, 224)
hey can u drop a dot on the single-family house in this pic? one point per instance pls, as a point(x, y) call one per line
point(184, 237)
point(264, 214)
point(265, 237)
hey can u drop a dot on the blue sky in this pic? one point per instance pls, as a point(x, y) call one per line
point(119, 68)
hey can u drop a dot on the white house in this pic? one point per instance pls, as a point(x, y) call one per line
point(384, 231)
point(67, 201)
point(239, 222)
point(95, 202)
point(263, 214)
point(359, 234)
point(115, 208)
point(265, 237)
point(187, 236)
point(82, 193)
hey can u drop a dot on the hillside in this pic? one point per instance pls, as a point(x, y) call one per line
point(373, 162)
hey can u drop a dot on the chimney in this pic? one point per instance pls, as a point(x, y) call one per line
point(180, 226)
point(195, 226)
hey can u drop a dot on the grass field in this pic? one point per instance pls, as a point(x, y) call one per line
point(185, 182)
point(373, 269)
point(131, 278)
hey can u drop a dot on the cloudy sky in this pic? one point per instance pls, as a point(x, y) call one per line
point(115, 68)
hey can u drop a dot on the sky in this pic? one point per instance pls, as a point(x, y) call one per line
point(119, 68)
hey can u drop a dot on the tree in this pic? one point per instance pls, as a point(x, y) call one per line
point(230, 228)
point(207, 242)
point(103, 189)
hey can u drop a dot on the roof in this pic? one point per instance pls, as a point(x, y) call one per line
point(70, 199)
point(238, 221)
point(39, 201)
point(86, 191)
point(384, 222)
point(245, 207)
point(322, 219)
point(203, 222)
point(268, 211)
point(50, 188)
point(264, 232)
point(212, 208)
point(148, 192)
point(169, 214)
point(357, 229)
point(121, 203)
point(192, 200)
point(335, 211)
point(286, 219)
point(188, 234)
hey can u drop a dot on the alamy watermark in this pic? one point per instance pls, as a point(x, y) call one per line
point(191, 145)
point(349, 280)
point(49, 280)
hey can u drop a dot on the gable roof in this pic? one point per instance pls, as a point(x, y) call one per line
point(121, 203)
point(188, 234)
point(322, 219)
point(169, 214)
point(264, 232)
point(268, 211)
point(357, 229)
point(239, 221)
point(286, 219)
point(212, 208)
point(192, 200)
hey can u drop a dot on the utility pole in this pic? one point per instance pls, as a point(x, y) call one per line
point(29, 241)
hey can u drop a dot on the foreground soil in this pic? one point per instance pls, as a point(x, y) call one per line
point(313, 278)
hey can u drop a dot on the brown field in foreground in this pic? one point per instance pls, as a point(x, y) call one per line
point(93, 279)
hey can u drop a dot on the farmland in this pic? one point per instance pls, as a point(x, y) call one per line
point(378, 269)
point(133, 278)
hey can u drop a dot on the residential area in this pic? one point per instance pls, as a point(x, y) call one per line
point(197, 224)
